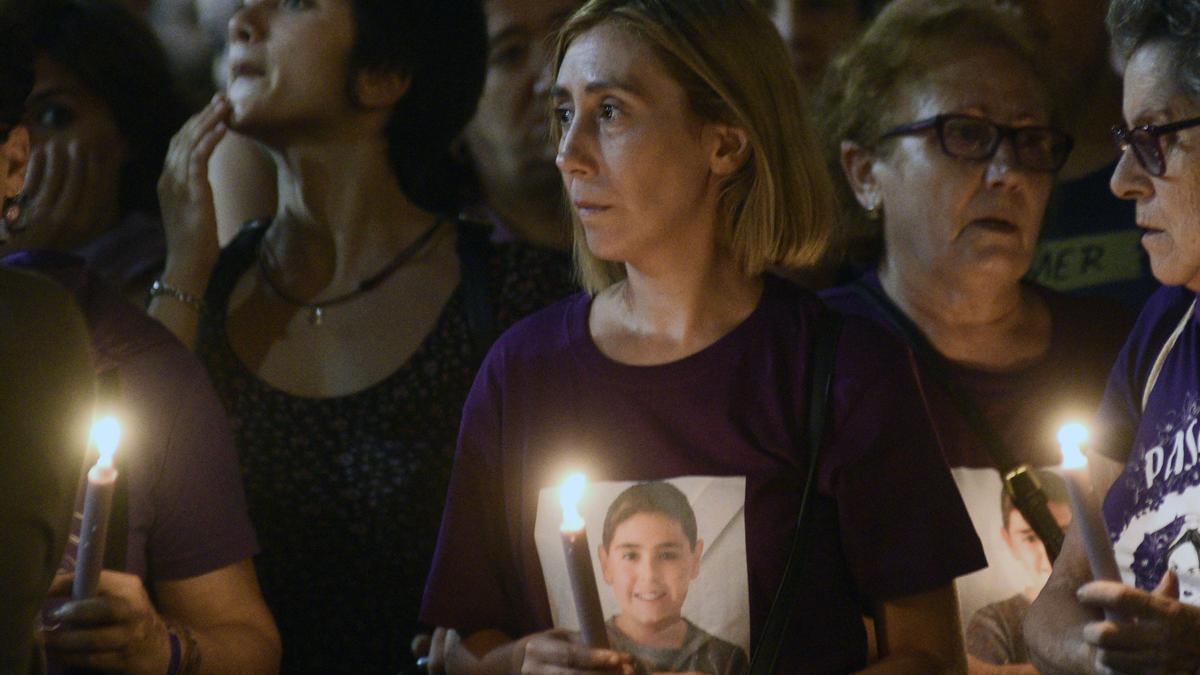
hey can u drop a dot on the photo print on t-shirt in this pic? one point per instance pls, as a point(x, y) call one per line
point(993, 601)
point(669, 558)
point(1156, 505)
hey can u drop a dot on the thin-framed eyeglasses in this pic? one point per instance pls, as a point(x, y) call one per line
point(1147, 144)
point(1042, 149)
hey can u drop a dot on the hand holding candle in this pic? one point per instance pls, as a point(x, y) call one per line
point(101, 483)
point(579, 564)
point(1085, 506)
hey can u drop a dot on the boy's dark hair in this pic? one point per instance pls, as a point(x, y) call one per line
point(442, 46)
point(653, 497)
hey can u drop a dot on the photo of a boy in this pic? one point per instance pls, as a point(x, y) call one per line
point(649, 555)
point(994, 634)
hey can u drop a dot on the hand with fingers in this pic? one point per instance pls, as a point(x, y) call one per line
point(1156, 632)
point(186, 198)
point(118, 630)
point(558, 652)
point(65, 205)
point(442, 652)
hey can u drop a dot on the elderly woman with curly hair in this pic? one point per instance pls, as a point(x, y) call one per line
point(945, 131)
point(1145, 457)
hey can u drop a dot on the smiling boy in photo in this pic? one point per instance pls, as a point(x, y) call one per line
point(649, 556)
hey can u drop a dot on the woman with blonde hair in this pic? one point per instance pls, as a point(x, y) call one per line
point(690, 171)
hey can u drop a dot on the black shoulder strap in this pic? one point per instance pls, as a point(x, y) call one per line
point(1020, 482)
point(474, 254)
point(820, 388)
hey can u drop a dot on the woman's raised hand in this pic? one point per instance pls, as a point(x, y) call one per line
point(186, 198)
point(62, 183)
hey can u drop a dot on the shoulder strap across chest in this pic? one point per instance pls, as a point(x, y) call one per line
point(1156, 369)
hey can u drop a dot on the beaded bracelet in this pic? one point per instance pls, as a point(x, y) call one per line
point(159, 288)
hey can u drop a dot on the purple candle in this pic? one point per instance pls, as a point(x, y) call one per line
point(97, 503)
point(579, 564)
point(1085, 508)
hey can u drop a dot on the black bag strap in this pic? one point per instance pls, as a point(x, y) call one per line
point(820, 388)
point(474, 255)
point(1019, 479)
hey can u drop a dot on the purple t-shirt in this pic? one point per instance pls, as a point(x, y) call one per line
point(1025, 408)
point(730, 416)
point(186, 508)
point(129, 255)
point(1153, 508)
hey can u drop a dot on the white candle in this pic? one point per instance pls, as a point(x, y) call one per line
point(1085, 507)
point(97, 503)
point(579, 564)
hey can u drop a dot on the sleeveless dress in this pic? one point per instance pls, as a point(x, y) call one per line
point(347, 492)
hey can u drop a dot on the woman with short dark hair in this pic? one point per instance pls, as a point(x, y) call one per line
point(1144, 457)
point(344, 332)
point(179, 591)
point(101, 114)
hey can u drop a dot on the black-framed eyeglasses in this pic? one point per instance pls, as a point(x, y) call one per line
point(1147, 147)
point(1043, 149)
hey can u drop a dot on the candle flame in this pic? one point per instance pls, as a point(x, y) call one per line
point(569, 495)
point(106, 433)
point(1071, 437)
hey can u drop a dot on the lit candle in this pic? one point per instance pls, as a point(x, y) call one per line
point(1085, 508)
point(97, 502)
point(579, 564)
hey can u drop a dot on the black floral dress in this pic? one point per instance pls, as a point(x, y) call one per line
point(347, 492)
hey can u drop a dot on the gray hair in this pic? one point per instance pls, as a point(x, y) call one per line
point(1133, 23)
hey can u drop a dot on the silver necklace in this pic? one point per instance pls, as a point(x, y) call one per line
point(316, 310)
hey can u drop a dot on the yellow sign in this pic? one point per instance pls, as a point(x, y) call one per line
point(1080, 262)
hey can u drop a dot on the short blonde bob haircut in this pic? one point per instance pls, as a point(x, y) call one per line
point(734, 68)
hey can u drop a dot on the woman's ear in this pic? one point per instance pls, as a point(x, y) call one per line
point(731, 148)
point(16, 160)
point(858, 163)
point(380, 88)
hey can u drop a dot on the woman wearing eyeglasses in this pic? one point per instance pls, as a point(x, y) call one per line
point(1149, 423)
point(942, 124)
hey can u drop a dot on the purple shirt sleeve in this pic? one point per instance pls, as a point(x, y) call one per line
point(472, 552)
point(1121, 409)
point(904, 527)
point(191, 508)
